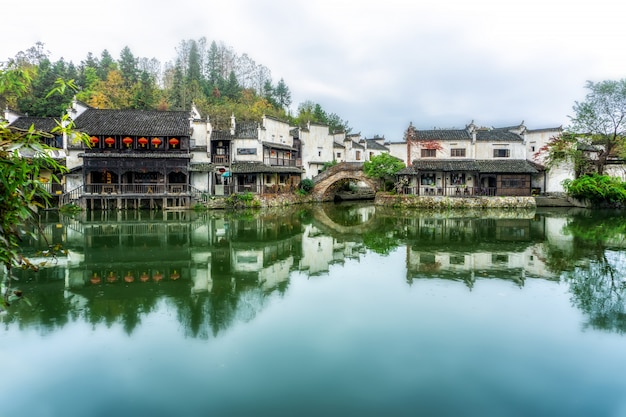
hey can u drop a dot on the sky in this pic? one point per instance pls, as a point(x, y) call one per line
point(380, 65)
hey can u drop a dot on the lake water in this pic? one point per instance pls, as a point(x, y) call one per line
point(333, 310)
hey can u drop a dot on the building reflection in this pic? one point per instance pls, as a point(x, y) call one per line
point(219, 268)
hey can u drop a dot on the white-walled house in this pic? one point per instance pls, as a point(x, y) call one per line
point(475, 161)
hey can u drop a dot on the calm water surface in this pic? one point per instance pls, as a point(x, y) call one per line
point(335, 310)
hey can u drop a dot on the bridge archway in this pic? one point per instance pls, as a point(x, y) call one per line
point(330, 181)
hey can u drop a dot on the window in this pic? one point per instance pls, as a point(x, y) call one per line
point(428, 179)
point(429, 153)
point(457, 152)
point(501, 153)
point(532, 148)
point(457, 179)
point(513, 183)
point(319, 153)
point(457, 260)
point(246, 151)
point(358, 155)
point(338, 154)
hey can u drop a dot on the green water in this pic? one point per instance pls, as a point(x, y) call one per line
point(334, 310)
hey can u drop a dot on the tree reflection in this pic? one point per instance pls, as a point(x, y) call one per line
point(219, 269)
point(597, 277)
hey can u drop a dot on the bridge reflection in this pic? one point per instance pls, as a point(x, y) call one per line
point(220, 267)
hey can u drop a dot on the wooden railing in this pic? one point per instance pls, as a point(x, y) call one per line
point(219, 159)
point(453, 191)
point(135, 189)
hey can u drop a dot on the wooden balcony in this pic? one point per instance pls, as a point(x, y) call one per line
point(136, 189)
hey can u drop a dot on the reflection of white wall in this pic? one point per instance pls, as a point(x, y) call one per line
point(530, 261)
point(247, 260)
point(273, 275)
point(201, 278)
point(554, 232)
point(317, 251)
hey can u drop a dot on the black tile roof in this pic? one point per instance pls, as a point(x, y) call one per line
point(356, 145)
point(201, 167)
point(511, 166)
point(243, 130)
point(274, 145)
point(443, 134)
point(260, 168)
point(485, 166)
point(446, 165)
point(497, 135)
point(43, 124)
point(134, 122)
point(372, 144)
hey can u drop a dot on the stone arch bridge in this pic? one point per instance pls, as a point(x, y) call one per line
point(328, 182)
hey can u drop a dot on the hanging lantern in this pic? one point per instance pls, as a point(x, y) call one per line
point(94, 140)
point(144, 277)
point(109, 141)
point(112, 277)
point(174, 276)
point(127, 141)
point(157, 276)
point(129, 277)
point(174, 142)
point(156, 142)
point(143, 142)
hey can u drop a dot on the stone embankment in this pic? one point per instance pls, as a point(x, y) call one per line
point(439, 202)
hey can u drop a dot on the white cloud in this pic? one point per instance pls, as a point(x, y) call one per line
point(379, 65)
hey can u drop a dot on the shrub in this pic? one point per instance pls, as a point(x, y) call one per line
point(306, 185)
point(597, 189)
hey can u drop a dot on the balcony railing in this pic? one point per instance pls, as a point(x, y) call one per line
point(136, 189)
point(280, 162)
point(454, 191)
point(219, 159)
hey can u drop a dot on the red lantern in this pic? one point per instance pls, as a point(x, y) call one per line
point(156, 142)
point(109, 141)
point(127, 141)
point(144, 277)
point(143, 142)
point(112, 277)
point(129, 277)
point(94, 140)
point(157, 276)
point(174, 276)
point(174, 142)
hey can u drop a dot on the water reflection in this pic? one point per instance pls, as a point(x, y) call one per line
point(219, 268)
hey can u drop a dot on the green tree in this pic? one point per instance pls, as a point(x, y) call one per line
point(282, 94)
point(383, 167)
point(128, 67)
point(598, 125)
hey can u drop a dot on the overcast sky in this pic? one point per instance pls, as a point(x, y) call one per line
point(378, 64)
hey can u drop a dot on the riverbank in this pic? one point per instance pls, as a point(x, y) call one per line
point(445, 202)
point(408, 201)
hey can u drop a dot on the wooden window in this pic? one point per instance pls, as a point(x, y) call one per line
point(358, 155)
point(501, 153)
point(429, 153)
point(513, 183)
point(458, 152)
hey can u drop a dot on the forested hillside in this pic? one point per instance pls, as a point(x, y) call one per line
point(214, 77)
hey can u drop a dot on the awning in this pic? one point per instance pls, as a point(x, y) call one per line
point(226, 174)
